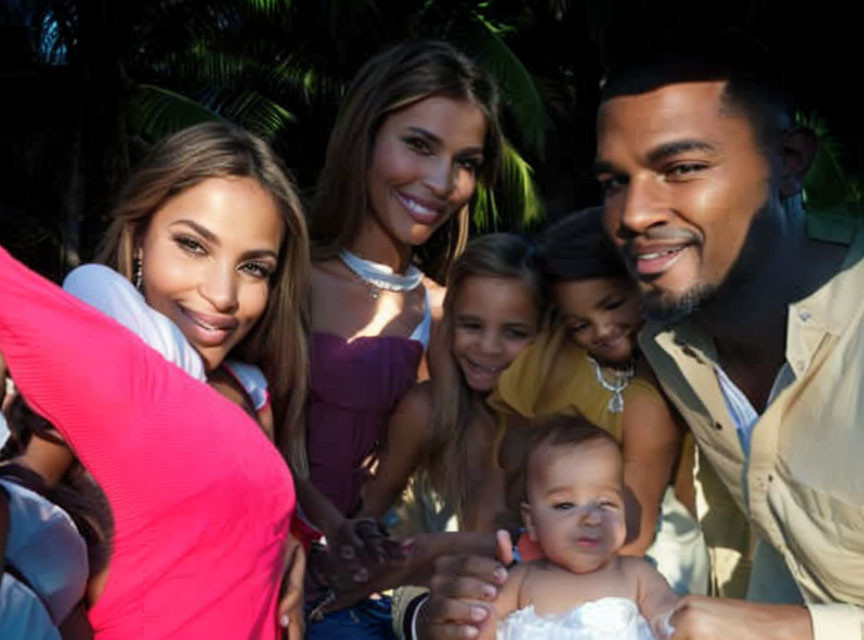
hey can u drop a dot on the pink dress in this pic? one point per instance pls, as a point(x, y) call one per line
point(202, 502)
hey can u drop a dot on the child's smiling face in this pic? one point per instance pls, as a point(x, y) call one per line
point(494, 319)
point(575, 508)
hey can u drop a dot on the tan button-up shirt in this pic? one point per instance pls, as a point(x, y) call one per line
point(802, 487)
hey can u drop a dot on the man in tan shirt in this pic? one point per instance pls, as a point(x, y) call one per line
point(756, 333)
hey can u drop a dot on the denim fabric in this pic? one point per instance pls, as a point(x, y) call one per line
point(367, 620)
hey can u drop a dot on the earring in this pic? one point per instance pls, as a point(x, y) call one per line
point(137, 273)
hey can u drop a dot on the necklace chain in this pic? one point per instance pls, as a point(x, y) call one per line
point(375, 276)
point(622, 379)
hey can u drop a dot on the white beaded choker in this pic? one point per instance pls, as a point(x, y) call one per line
point(378, 276)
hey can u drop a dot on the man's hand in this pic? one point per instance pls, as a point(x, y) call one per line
point(460, 594)
point(701, 618)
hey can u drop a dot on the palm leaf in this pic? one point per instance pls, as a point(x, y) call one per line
point(519, 89)
point(155, 112)
point(270, 6)
point(259, 114)
point(829, 186)
point(514, 202)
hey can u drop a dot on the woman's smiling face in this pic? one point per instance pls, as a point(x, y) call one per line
point(207, 256)
point(424, 166)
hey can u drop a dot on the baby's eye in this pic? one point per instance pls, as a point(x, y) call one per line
point(563, 506)
point(608, 504)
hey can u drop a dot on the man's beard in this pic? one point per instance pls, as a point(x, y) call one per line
point(661, 306)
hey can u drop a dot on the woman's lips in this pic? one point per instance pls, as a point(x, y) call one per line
point(422, 211)
point(207, 329)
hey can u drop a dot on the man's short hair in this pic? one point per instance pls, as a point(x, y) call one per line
point(755, 81)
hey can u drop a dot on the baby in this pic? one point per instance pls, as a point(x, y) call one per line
point(581, 589)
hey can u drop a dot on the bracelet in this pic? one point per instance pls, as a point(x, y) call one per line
point(409, 623)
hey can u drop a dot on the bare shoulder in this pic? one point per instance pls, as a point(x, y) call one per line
point(636, 565)
point(643, 575)
point(512, 595)
point(418, 400)
point(436, 296)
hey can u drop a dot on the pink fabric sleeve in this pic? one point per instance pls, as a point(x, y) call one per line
point(191, 480)
point(102, 387)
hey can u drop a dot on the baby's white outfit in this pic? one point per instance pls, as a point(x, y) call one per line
point(602, 619)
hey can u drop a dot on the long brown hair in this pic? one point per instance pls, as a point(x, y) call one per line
point(497, 255)
point(392, 80)
point(278, 343)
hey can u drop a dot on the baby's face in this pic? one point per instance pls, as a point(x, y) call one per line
point(575, 508)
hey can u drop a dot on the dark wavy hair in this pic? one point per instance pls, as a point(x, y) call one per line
point(76, 492)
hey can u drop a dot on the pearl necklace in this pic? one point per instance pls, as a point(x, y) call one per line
point(622, 379)
point(378, 276)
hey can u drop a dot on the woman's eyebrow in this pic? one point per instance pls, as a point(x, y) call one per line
point(204, 232)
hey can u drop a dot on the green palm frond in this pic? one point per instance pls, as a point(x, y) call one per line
point(270, 6)
point(830, 187)
point(302, 80)
point(515, 201)
point(519, 89)
point(155, 112)
point(259, 114)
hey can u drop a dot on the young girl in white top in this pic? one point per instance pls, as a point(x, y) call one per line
point(582, 589)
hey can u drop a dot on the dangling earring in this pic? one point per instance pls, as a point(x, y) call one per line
point(137, 273)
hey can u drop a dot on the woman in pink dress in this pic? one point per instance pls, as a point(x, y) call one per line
point(211, 232)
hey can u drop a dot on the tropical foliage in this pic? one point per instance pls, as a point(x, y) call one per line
point(96, 81)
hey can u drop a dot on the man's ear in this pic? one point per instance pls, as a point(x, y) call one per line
point(798, 150)
point(528, 521)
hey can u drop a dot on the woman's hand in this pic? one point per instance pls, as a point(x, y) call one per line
point(290, 610)
point(392, 573)
point(357, 555)
point(362, 543)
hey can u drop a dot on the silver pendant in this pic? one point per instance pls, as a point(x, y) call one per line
point(616, 403)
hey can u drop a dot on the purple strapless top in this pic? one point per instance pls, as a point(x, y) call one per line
point(355, 387)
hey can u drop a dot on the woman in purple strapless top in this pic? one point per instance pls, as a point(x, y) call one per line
point(355, 386)
point(418, 130)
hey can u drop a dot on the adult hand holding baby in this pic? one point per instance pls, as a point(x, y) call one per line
point(461, 593)
point(703, 618)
